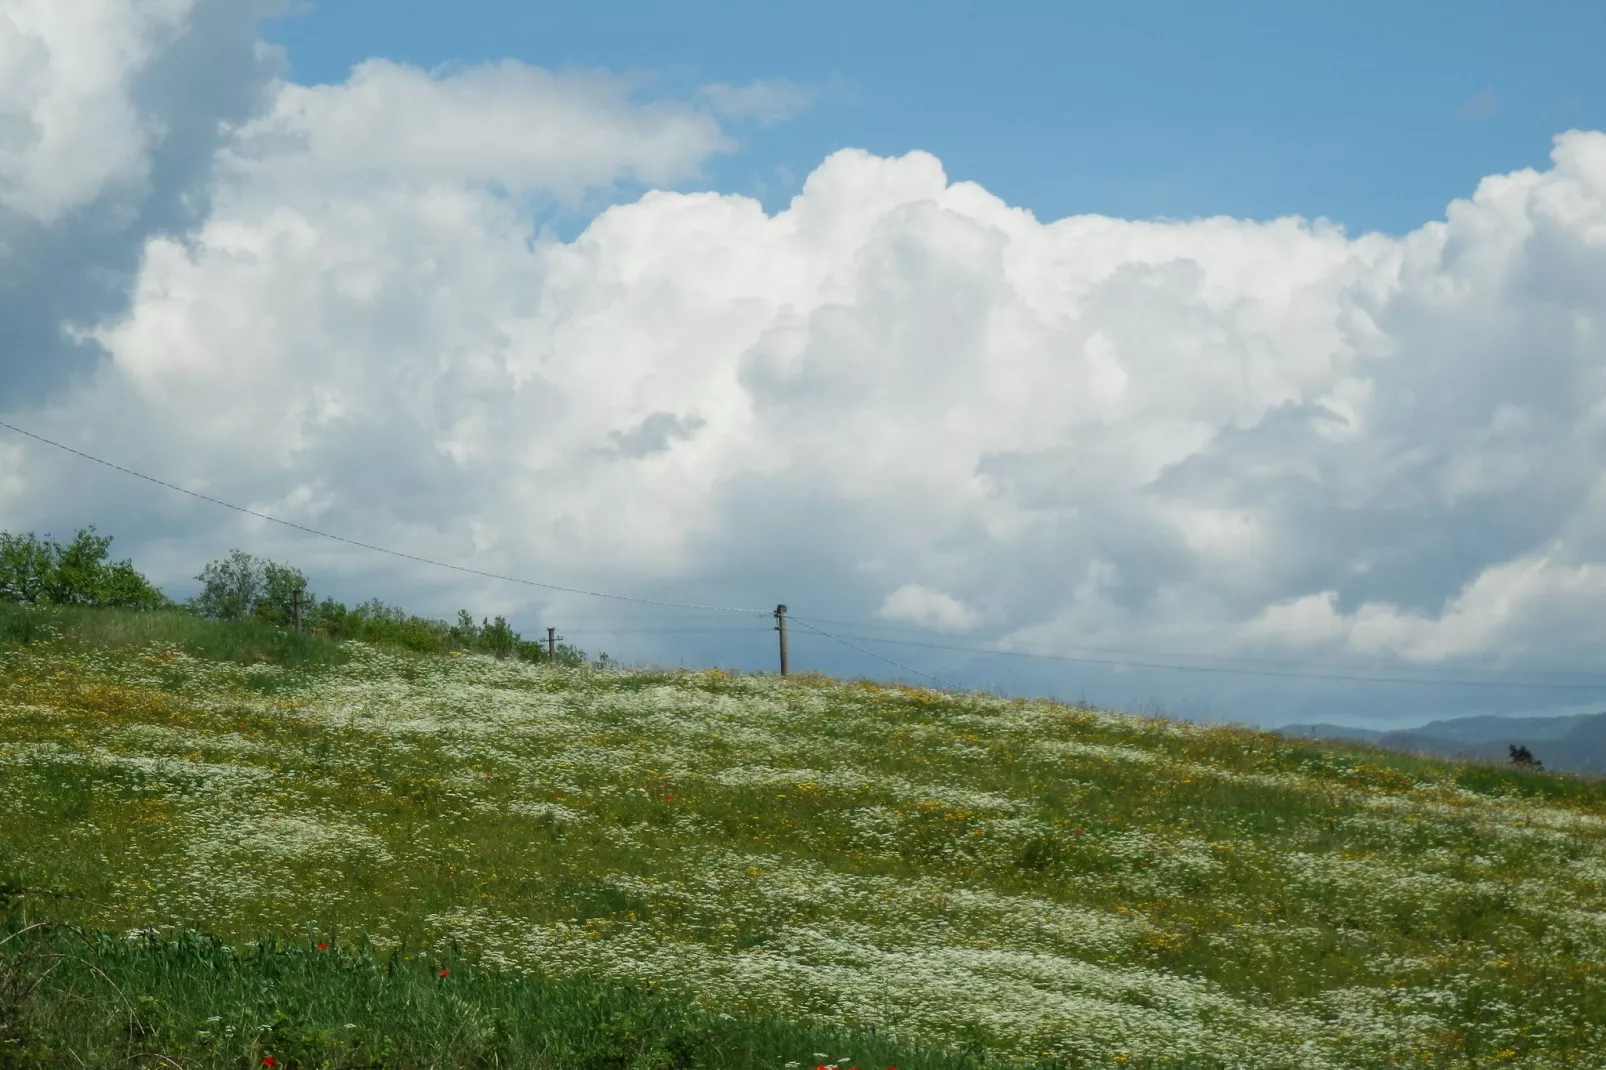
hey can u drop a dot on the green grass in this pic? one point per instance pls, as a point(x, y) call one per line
point(245, 642)
point(1029, 882)
point(70, 999)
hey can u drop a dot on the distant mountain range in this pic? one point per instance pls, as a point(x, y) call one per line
point(1575, 744)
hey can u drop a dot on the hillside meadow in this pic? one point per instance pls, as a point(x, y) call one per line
point(755, 864)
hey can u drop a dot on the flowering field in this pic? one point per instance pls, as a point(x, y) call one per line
point(1022, 878)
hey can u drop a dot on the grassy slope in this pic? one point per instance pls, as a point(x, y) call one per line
point(1018, 878)
point(241, 642)
point(193, 1001)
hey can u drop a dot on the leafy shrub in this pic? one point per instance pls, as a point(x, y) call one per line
point(43, 572)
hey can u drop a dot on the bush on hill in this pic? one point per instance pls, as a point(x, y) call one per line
point(246, 611)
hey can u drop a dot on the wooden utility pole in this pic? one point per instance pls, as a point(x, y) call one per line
point(551, 646)
point(780, 626)
point(295, 608)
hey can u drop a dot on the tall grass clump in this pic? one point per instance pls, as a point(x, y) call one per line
point(70, 998)
point(242, 642)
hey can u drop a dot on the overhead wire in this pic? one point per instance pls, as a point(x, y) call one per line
point(1228, 658)
point(670, 616)
point(1225, 669)
point(880, 657)
point(371, 546)
point(663, 631)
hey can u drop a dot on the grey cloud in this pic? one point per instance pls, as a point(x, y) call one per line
point(77, 271)
point(653, 435)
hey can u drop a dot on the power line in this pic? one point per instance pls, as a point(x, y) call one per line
point(1229, 658)
point(1213, 668)
point(879, 657)
point(637, 616)
point(370, 546)
point(662, 631)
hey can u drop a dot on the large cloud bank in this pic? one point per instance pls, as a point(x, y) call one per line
point(900, 399)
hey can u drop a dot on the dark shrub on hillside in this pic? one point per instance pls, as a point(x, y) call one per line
point(1522, 756)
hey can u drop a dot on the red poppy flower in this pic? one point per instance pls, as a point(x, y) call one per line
point(323, 947)
point(268, 1060)
point(443, 973)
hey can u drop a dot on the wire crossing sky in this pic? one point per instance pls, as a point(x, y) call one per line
point(369, 546)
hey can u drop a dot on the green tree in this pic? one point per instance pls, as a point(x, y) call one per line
point(465, 634)
point(75, 579)
point(231, 587)
point(328, 617)
point(282, 586)
point(122, 586)
point(497, 638)
point(26, 563)
point(44, 572)
point(241, 586)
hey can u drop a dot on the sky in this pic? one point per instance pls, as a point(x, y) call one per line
point(1371, 114)
point(1239, 364)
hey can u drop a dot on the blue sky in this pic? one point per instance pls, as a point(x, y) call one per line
point(1372, 114)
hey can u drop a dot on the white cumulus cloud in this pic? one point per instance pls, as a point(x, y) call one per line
point(1215, 436)
point(928, 608)
point(505, 124)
